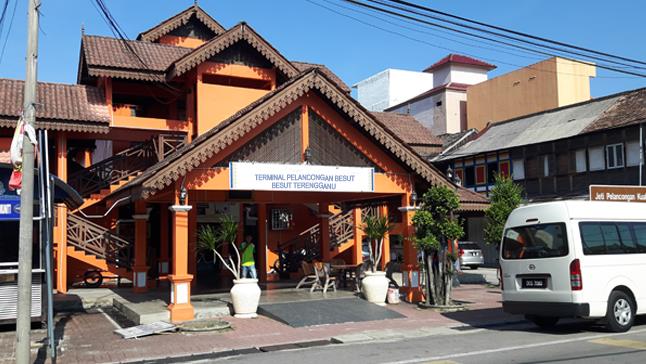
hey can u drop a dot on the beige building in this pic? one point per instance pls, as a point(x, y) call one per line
point(546, 85)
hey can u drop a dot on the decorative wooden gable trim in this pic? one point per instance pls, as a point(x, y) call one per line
point(238, 33)
point(329, 148)
point(207, 145)
point(280, 143)
point(153, 34)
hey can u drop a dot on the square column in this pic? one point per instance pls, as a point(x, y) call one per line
point(60, 232)
point(412, 290)
point(324, 224)
point(357, 251)
point(140, 267)
point(180, 295)
point(262, 266)
point(385, 253)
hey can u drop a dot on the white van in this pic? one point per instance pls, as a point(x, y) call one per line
point(575, 259)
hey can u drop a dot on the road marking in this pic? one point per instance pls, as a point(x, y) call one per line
point(630, 344)
point(442, 362)
point(517, 347)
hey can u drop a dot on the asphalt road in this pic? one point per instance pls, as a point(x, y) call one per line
point(571, 342)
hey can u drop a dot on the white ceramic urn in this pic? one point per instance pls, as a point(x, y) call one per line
point(375, 287)
point(245, 295)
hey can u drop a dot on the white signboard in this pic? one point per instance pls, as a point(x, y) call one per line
point(299, 177)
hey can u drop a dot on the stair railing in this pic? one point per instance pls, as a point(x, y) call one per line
point(341, 228)
point(98, 241)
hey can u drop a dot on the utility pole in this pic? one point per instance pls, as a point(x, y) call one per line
point(25, 250)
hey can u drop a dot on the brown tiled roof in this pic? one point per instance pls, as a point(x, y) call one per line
point(242, 31)
point(208, 144)
point(178, 20)
point(460, 59)
point(447, 86)
point(629, 109)
point(407, 128)
point(305, 66)
point(110, 57)
point(60, 106)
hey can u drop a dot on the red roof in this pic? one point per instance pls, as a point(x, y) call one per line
point(460, 59)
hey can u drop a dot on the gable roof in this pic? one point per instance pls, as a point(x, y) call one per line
point(460, 59)
point(609, 112)
point(242, 31)
point(60, 106)
point(178, 20)
point(454, 86)
point(206, 145)
point(306, 66)
point(407, 128)
point(110, 57)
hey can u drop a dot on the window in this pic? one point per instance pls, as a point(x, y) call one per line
point(613, 238)
point(632, 154)
point(469, 176)
point(492, 171)
point(615, 155)
point(580, 161)
point(281, 219)
point(480, 175)
point(535, 241)
point(503, 168)
point(518, 168)
point(595, 159)
point(546, 165)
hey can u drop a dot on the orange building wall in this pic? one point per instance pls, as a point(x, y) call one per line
point(187, 42)
point(216, 102)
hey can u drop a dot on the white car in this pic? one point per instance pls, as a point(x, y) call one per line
point(575, 259)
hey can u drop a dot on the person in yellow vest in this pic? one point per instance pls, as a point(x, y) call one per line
point(247, 249)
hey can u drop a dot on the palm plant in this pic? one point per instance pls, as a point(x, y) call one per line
point(376, 228)
point(210, 239)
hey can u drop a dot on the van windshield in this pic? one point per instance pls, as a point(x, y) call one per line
point(535, 241)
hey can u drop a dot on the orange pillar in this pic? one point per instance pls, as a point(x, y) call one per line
point(263, 264)
point(180, 297)
point(163, 240)
point(192, 244)
point(412, 291)
point(385, 255)
point(305, 131)
point(140, 267)
point(87, 157)
point(357, 254)
point(324, 215)
point(61, 218)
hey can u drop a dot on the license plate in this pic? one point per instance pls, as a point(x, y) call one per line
point(475, 254)
point(534, 283)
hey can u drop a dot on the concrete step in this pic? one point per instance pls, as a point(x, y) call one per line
point(144, 312)
point(210, 309)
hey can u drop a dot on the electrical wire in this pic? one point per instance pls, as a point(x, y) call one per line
point(506, 36)
point(543, 39)
point(450, 49)
point(484, 37)
point(13, 15)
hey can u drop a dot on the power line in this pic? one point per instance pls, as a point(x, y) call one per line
point(498, 34)
point(543, 39)
point(486, 38)
point(446, 48)
point(4, 45)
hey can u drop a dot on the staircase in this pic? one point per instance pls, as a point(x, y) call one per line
point(98, 180)
point(307, 245)
point(97, 246)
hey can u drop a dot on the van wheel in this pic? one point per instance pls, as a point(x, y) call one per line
point(544, 322)
point(474, 267)
point(620, 315)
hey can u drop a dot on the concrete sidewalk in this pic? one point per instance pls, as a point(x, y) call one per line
point(89, 337)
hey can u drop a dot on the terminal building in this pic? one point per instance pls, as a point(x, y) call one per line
point(164, 134)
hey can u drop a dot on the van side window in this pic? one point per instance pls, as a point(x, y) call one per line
point(592, 238)
point(613, 238)
point(640, 236)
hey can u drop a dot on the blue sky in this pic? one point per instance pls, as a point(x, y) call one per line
point(303, 31)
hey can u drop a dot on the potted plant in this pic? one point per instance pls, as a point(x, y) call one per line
point(375, 284)
point(245, 293)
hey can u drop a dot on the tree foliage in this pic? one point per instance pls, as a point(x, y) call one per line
point(376, 228)
point(505, 197)
point(211, 239)
point(435, 226)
